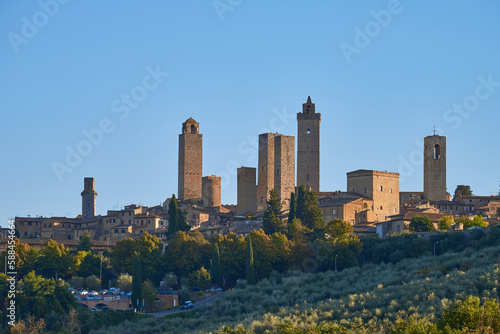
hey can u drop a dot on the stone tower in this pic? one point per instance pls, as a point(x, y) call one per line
point(211, 191)
point(247, 190)
point(276, 168)
point(435, 168)
point(308, 139)
point(88, 198)
point(190, 161)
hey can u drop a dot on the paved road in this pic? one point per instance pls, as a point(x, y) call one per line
point(202, 302)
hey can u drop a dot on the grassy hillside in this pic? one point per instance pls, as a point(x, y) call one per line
point(370, 296)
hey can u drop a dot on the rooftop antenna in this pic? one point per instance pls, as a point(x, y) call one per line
point(434, 130)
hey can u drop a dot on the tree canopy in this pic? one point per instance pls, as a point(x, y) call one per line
point(462, 190)
point(421, 224)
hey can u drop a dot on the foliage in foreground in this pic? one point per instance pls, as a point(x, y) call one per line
point(411, 296)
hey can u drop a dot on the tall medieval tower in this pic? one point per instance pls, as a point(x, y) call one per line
point(435, 168)
point(190, 161)
point(308, 138)
point(88, 198)
point(276, 168)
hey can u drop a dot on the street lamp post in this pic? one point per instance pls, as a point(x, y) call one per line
point(336, 262)
point(435, 247)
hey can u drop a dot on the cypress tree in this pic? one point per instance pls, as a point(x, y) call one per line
point(250, 267)
point(293, 208)
point(136, 283)
point(177, 220)
point(215, 270)
point(172, 217)
point(301, 203)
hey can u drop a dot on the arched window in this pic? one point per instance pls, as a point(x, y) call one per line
point(308, 131)
point(437, 152)
point(193, 129)
point(365, 206)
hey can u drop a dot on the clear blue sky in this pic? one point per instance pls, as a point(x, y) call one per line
point(380, 92)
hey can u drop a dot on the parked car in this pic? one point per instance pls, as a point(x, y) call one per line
point(84, 292)
point(219, 290)
point(94, 309)
point(78, 298)
point(187, 305)
point(105, 308)
point(129, 293)
point(94, 293)
point(196, 288)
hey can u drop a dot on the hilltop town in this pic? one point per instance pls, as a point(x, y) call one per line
point(372, 201)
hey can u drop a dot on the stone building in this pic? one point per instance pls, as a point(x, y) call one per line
point(88, 198)
point(276, 168)
point(308, 147)
point(190, 161)
point(381, 187)
point(435, 168)
point(211, 191)
point(247, 191)
point(346, 206)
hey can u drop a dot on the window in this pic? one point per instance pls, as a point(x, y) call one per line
point(308, 177)
point(353, 190)
point(193, 129)
point(366, 190)
point(308, 131)
point(25, 233)
point(399, 228)
point(437, 152)
point(123, 230)
point(116, 230)
point(69, 237)
point(381, 188)
point(106, 232)
point(365, 206)
point(29, 223)
point(390, 191)
point(394, 210)
point(334, 211)
point(381, 208)
point(262, 199)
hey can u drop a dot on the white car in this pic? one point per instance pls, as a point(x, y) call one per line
point(84, 292)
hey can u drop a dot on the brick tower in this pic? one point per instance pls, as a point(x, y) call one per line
point(435, 168)
point(88, 198)
point(276, 168)
point(308, 139)
point(190, 161)
point(247, 190)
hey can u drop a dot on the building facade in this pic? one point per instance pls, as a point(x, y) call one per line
point(381, 187)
